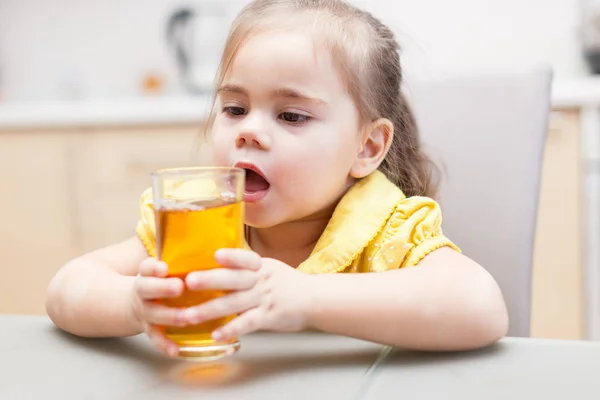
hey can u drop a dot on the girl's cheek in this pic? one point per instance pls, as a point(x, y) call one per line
point(217, 152)
point(220, 157)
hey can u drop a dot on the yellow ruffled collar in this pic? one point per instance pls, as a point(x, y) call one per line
point(358, 218)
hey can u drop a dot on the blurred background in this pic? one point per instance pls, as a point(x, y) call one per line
point(68, 49)
point(95, 95)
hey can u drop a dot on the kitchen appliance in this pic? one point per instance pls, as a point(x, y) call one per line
point(196, 36)
point(590, 32)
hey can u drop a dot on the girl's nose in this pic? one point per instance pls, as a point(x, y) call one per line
point(250, 138)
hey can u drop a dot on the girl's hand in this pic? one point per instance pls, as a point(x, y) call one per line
point(151, 284)
point(268, 294)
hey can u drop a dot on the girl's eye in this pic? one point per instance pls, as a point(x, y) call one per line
point(234, 111)
point(294, 118)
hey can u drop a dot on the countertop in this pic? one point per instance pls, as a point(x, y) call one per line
point(582, 92)
point(42, 362)
point(104, 112)
point(574, 93)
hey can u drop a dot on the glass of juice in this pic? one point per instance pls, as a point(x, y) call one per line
point(198, 211)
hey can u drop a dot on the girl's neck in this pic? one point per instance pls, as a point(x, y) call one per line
point(291, 242)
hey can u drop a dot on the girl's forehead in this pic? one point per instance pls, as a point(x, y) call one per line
point(286, 55)
point(284, 46)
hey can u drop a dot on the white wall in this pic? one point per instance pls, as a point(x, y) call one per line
point(102, 48)
point(459, 34)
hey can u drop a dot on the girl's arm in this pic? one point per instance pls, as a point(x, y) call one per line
point(447, 302)
point(92, 295)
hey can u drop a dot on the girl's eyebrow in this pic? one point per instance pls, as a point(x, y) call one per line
point(285, 92)
point(292, 93)
point(227, 88)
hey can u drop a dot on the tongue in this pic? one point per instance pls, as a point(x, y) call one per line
point(255, 182)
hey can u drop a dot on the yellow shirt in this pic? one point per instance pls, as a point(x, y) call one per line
point(375, 227)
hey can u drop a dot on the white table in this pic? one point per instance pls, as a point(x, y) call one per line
point(513, 369)
point(38, 361)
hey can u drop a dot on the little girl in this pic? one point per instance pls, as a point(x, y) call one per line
point(343, 237)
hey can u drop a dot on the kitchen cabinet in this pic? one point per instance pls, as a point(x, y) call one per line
point(114, 167)
point(36, 214)
point(557, 288)
point(67, 192)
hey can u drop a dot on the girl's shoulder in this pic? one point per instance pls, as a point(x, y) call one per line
point(412, 231)
point(376, 227)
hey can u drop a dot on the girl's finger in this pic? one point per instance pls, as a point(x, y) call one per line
point(148, 288)
point(222, 279)
point(157, 314)
point(238, 258)
point(163, 343)
point(221, 307)
point(153, 267)
point(250, 321)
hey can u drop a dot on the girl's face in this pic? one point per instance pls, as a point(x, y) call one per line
point(286, 116)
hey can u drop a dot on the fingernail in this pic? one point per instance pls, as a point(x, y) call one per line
point(217, 335)
point(161, 268)
point(219, 253)
point(192, 316)
point(192, 280)
point(180, 318)
point(173, 351)
point(174, 287)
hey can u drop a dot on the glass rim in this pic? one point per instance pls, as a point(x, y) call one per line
point(191, 170)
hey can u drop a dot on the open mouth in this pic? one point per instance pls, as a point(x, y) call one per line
point(256, 185)
point(255, 182)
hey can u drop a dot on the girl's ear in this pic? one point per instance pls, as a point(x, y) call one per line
point(376, 142)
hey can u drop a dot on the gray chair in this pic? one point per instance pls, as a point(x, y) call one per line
point(487, 134)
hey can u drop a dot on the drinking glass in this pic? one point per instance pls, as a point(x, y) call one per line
point(198, 211)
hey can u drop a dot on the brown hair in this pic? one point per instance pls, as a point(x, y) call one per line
point(368, 57)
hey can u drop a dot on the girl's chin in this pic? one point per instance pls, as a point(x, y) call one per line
point(259, 219)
